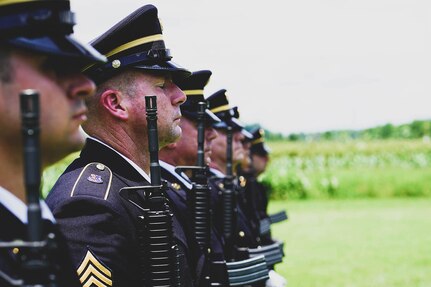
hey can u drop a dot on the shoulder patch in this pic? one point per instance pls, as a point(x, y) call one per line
point(92, 272)
point(94, 180)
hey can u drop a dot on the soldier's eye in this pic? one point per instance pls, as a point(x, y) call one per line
point(59, 67)
point(161, 86)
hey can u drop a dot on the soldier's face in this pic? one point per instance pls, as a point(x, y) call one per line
point(169, 99)
point(246, 162)
point(62, 108)
point(220, 146)
point(187, 146)
point(259, 163)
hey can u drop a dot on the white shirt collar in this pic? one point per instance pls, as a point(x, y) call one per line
point(183, 177)
point(19, 208)
point(135, 166)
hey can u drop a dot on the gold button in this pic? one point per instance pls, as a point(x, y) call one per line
point(175, 186)
point(241, 234)
point(15, 250)
point(221, 185)
point(242, 181)
point(100, 166)
point(116, 64)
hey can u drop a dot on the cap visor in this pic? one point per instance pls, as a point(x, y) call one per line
point(176, 70)
point(64, 46)
point(211, 117)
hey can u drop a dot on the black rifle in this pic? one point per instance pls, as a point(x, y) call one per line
point(199, 198)
point(229, 201)
point(242, 268)
point(159, 255)
point(36, 264)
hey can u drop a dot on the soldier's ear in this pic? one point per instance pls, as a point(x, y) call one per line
point(112, 101)
point(170, 146)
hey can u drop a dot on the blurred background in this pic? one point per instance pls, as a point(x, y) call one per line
point(343, 91)
point(297, 66)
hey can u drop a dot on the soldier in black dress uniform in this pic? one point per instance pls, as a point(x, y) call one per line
point(99, 224)
point(247, 233)
point(184, 153)
point(219, 104)
point(37, 52)
point(259, 155)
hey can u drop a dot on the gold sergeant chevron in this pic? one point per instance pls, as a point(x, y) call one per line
point(92, 272)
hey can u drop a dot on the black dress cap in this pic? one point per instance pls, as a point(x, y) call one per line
point(193, 87)
point(44, 26)
point(258, 145)
point(135, 42)
point(219, 105)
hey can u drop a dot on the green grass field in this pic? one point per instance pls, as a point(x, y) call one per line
point(356, 243)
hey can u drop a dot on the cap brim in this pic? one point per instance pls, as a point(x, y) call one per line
point(236, 126)
point(210, 117)
point(62, 46)
point(177, 72)
point(260, 149)
point(231, 122)
point(247, 134)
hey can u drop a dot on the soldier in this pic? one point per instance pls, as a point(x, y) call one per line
point(259, 155)
point(38, 52)
point(184, 153)
point(247, 234)
point(99, 224)
point(219, 104)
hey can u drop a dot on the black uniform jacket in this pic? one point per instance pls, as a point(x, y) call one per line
point(100, 226)
point(12, 228)
point(179, 192)
point(245, 234)
point(249, 198)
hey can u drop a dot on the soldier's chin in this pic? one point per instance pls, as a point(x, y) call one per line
point(174, 135)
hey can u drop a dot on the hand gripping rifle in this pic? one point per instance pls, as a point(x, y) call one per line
point(199, 198)
point(36, 264)
point(159, 255)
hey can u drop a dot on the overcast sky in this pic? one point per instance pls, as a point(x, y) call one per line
point(297, 65)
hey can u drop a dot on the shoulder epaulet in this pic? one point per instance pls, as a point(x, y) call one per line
point(94, 180)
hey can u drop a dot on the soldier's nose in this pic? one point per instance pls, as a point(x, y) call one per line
point(81, 86)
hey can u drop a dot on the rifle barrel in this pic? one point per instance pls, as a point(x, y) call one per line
point(201, 133)
point(29, 101)
point(153, 139)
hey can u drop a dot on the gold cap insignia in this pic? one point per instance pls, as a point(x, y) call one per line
point(92, 272)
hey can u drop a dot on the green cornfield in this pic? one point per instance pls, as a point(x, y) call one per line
point(351, 169)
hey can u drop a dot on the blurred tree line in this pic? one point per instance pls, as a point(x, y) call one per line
point(412, 130)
